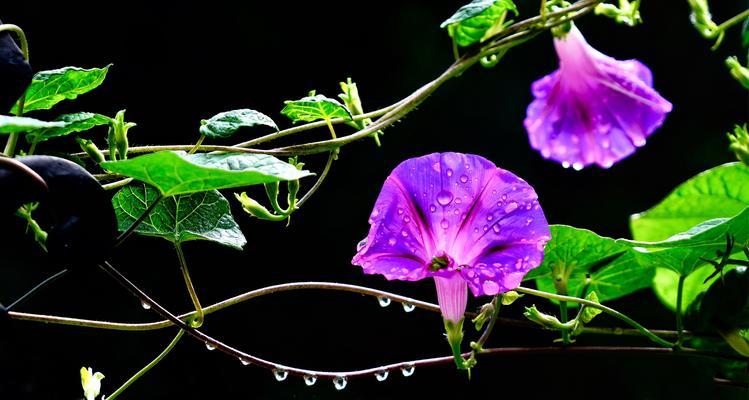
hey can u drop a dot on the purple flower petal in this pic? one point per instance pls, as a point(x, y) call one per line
point(594, 109)
point(446, 213)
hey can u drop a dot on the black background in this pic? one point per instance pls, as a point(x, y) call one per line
point(175, 64)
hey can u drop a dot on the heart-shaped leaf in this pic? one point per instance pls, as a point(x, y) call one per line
point(176, 172)
point(196, 216)
point(227, 123)
point(48, 88)
point(313, 108)
point(578, 256)
point(10, 124)
point(77, 122)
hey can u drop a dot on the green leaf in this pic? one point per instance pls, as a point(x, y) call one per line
point(574, 253)
point(477, 20)
point(51, 87)
point(683, 252)
point(666, 284)
point(176, 172)
point(196, 216)
point(77, 122)
point(716, 193)
point(10, 124)
point(745, 33)
point(313, 108)
point(227, 123)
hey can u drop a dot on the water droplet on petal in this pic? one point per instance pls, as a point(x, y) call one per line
point(392, 241)
point(408, 370)
point(404, 233)
point(244, 362)
point(490, 287)
point(210, 347)
point(361, 244)
point(444, 197)
point(489, 217)
point(340, 382)
point(408, 307)
point(458, 200)
point(444, 224)
point(384, 301)
point(310, 380)
point(406, 219)
point(496, 228)
point(511, 206)
point(382, 375)
point(432, 208)
point(565, 164)
point(146, 305)
point(449, 172)
point(463, 178)
point(280, 374)
point(577, 166)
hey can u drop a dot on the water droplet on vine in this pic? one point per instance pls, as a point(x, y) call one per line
point(280, 374)
point(408, 370)
point(310, 380)
point(340, 382)
point(384, 301)
point(381, 375)
point(210, 347)
point(244, 362)
point(146, 305)
point(408, 307)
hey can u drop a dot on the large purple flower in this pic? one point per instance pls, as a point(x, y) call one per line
point(593, 109)
point(459, 219)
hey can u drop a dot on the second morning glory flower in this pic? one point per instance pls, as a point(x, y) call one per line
point(593, 109)
point(460, 220)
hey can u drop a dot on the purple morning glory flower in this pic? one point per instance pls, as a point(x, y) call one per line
point(459, 219)
point(593, 109)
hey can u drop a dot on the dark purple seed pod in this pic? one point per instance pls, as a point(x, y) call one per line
point(15, 72)
point(20, 185)
point(85, 226)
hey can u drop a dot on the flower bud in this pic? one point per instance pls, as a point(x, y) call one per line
point(738, 71)
point(91, 383)
point(90, 148)
point(256, 209)
point(740, 143)
point(545, 320)
point(121, 128)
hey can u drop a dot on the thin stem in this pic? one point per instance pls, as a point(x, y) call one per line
point(318, 183)
point(607, 310)
point(293, 286)
point(183, 147)
point(730, 22)
point(36, 288)
point(197, 145)
point(197, 320)
point(148, 367)
point(564, 318)
point(679, 317)
point(117, 184)
point(124, 235)
point(248, 358)
point(313, 125)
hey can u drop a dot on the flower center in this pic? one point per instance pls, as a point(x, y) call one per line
point(439, 262)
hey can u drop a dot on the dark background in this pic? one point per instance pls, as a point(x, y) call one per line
point(175, 64)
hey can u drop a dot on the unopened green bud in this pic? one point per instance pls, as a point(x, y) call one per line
point(91, 383)
point(545, 320)
point(587, 312)
point(90, 148)
point(740, 143)
point(487, 310)
point(607, 10)
point(352, 100)
point(120, 128)
point(738, 71)
point(256, 209)
point(454, 333)
point(510, 297)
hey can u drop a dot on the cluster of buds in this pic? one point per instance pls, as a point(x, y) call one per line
point(626, 12)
